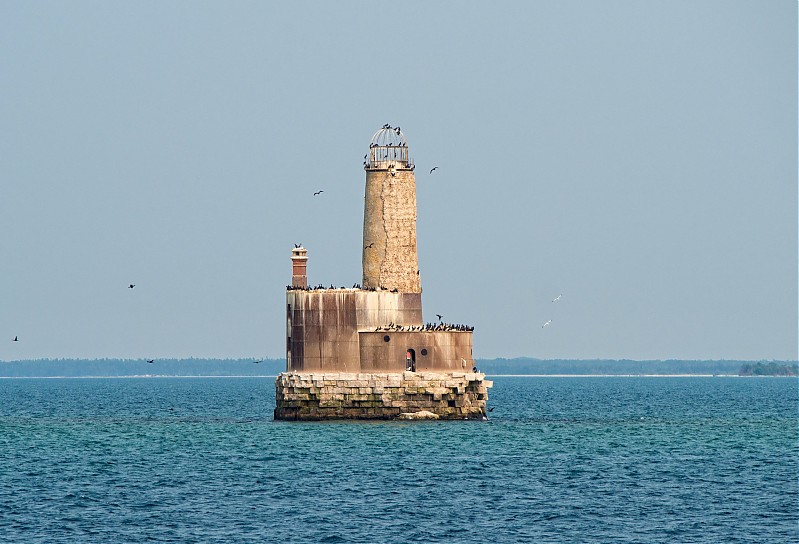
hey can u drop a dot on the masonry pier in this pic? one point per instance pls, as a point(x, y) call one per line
point(339, 395)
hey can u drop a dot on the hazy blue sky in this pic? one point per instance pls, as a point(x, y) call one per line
point(638, 157)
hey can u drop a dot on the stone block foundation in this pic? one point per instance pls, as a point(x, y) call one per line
point(336, 395)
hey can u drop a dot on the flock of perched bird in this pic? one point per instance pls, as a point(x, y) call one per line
point(391, 326)
point(354, 286)
point(401, 144)
point(395, 129)
point(427, 327)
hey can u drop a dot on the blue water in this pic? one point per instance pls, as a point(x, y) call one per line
point(561, 460)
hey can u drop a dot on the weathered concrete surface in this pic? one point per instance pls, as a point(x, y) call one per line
point(322, 325)
point(390, 258)
point(336, 395)
point(433, 351)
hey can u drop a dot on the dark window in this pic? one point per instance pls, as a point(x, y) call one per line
point(288, 343)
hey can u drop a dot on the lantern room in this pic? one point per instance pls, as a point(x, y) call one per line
point(388, 150)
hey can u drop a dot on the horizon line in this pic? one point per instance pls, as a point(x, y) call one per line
point(265, 359)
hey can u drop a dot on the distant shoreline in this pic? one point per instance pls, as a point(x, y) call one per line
point(156, 376)
point(165, 367)
point(139, 376)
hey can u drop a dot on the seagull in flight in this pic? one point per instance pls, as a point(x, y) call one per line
point(546, 324)
point(318, 193)
point(16, 339)
point(557, 298)
point(372, 244)
point(433, 168)
point(256, 362)
point(150, 361)
point(439, 316)
point(131, 286)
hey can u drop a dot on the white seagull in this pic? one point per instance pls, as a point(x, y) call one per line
point(546, 324)
point(557, 298)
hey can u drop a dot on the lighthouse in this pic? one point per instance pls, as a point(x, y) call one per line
point(365, 352)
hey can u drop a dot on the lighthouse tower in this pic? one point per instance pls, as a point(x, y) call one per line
point(390, 259)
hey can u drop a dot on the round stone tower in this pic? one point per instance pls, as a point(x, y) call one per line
point(390, 259)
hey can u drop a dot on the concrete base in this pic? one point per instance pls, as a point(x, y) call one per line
point(336, 395)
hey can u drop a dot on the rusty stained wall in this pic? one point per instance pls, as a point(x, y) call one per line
point(446, 351)
point(390, 258)
point(322, 325)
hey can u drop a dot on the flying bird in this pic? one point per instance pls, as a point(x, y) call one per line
point(557, 298)
point(439, 316)
point(318, 193)
point(151, 361)
point(131, 286)
point(15, 339)
point(433, 168)
point(546, 324)
point(372, 244)
point(256, 362)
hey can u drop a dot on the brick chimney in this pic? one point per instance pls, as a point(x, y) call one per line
point(299, 263)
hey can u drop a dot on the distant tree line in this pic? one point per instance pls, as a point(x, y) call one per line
point(75, 368)
point(272, 367)
point(524, 365)
point(769, 369)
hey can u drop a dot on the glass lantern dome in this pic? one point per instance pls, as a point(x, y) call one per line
point(388, 150)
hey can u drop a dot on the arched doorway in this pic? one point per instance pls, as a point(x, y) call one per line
point(410, 359)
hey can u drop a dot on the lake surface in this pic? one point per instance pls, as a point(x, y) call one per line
point(561, 460)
